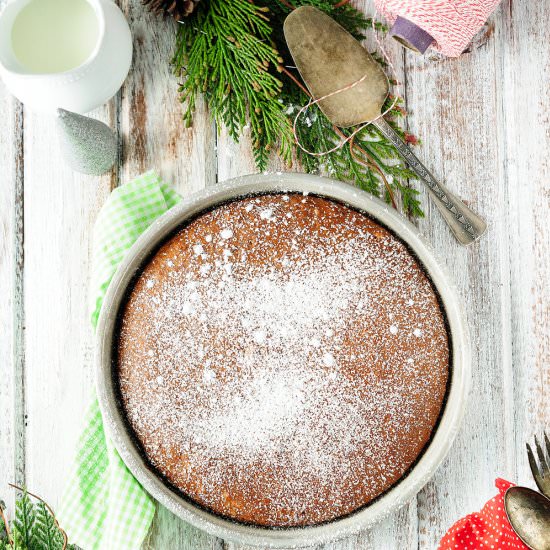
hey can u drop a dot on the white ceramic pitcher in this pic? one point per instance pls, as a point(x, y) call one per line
point(79, 89)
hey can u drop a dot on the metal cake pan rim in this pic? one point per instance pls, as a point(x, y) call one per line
point(399, 494)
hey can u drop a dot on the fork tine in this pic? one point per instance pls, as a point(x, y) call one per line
point(534, 466)
point(542, 459)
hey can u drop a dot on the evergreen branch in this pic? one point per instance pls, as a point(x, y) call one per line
point(34, 526)
point(234, 53)
point(226, 53)
point(5, 535)
point(47, 533)
point(23, 523)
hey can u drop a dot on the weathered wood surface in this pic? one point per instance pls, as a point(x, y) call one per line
point(486, 130)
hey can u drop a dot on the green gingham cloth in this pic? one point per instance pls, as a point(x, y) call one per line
point(104, 507)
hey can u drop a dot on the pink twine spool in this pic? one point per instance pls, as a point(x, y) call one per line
point(451, 23)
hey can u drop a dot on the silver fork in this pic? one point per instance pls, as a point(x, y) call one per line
point(540, 469)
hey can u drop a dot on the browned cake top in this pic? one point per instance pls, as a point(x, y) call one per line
point(282, 360)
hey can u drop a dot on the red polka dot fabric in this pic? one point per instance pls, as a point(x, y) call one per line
point(488, 528)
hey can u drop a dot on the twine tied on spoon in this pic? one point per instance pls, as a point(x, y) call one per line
point(345, 139)
point(315, 101)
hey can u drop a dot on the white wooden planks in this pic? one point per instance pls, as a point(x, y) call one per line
point(454, 104)
point(60, 209)
point(154, 137)
point(485, 126)
point(12, 349)
point(525, 128)
point(152, 132)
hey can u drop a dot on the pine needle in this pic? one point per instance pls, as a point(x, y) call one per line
point(225, 53)
point(23, 523)
point(46, 531)
point(34, 526)
point(234, 53)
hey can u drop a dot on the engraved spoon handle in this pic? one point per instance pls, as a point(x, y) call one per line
point(466, 226)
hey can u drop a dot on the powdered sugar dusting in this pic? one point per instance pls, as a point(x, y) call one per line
point(303, 360)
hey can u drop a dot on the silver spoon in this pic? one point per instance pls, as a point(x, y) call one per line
point(529, 515)
point(329, 59)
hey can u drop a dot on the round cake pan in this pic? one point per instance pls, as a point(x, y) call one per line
point(400, 493)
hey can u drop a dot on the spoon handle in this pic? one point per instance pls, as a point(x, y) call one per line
point(466, 226)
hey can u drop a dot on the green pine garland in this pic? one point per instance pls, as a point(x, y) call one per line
point(34, 527)
point(233, 52)
point(226, 52)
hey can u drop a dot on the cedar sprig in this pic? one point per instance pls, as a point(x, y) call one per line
point(225, 52)
point(34, 526)
point(234, 52)
point(370, 161)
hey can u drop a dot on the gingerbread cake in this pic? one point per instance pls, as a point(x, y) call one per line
point(282, 360)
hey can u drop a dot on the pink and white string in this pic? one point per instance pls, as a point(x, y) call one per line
point(452, 23)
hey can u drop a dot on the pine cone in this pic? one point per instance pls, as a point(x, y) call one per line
point(178, 9)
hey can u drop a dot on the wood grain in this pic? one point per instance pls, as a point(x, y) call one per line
point(525, 130)
point(485, 127)
point(12, 348)
point(153, 137)
point(150, 118)
point(60, 209)
point(454, 112)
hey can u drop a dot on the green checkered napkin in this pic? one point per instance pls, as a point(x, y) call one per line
point(104, 507)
